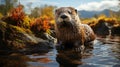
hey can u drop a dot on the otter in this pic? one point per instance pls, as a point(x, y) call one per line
point(70, 32)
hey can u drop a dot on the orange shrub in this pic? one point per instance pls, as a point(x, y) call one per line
point(17, 15)
point(41, 24)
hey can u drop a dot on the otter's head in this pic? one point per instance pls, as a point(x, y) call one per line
point(66, 16)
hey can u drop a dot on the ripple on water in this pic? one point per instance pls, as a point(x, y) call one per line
point(103, 55)
point(106, 53)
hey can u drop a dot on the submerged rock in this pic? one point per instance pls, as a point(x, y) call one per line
point(17, 39)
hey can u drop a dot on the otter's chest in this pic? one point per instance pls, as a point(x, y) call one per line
point(69, 35)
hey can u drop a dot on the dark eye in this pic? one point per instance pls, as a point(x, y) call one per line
point(69, 12)
point(58, 13)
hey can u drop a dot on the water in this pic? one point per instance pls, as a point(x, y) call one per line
point(106, 53)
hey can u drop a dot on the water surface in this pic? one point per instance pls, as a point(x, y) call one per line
point(106, 53)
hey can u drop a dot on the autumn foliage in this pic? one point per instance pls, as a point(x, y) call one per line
point(102, 18)
point(17, 14)
point(44, 22)
point(41, 24)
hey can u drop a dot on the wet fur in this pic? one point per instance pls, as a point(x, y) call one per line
point(72, 33)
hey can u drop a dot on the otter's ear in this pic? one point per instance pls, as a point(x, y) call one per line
point(76, 10)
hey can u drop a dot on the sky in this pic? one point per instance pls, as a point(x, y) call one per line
point(89, 5)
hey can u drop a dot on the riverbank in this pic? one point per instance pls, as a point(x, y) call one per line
point(17, 39)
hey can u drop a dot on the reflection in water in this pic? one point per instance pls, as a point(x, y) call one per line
point(106, 53)
point(70, 58)
point(67, 59)
point(13, 60)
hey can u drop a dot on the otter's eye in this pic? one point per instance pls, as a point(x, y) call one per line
point(69, 12)
point(58, 13)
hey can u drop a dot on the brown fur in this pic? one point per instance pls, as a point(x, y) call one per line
point(72, 31)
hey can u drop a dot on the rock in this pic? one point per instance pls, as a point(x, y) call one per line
point(115, 31)
point(53, 34)
point(2, 34)
point(101, 29)
point(48, 37)
point(17, 39)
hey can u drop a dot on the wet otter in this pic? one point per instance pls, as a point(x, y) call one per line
point(70, 32)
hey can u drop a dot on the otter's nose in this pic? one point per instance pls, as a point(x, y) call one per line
point(63, 16)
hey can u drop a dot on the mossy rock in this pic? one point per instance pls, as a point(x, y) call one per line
point(115, 31)
point(2, 34)
point(101, 29)
point(20, 39)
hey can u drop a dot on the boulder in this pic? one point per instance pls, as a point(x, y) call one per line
point(17, 39)
point(101, 29)
point(115, 31)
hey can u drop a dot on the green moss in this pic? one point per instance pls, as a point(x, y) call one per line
point(1, 15)
point(19, 40)
point(28, 31)
point(17, 45)
point(18, 29)
point(3, 25)
point(26, 22)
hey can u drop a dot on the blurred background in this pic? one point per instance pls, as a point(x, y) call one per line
point(101, 15)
